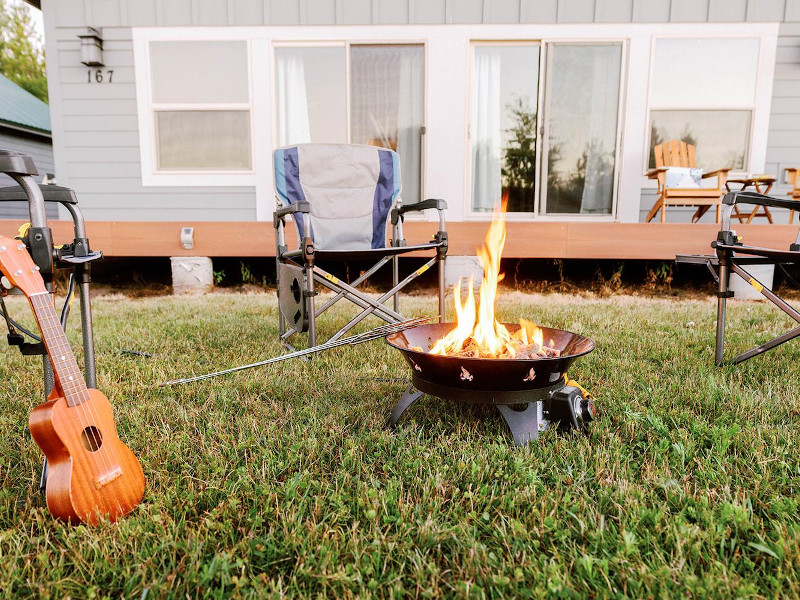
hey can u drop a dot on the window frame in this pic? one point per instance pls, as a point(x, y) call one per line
point(152, 175)
point(545, 43)
point(470, 212)
point(752, 107)
point(623, 74)
point(347, 44)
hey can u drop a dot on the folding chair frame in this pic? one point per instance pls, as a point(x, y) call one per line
point(731, 257)
point(76, 255)
point(305, 259)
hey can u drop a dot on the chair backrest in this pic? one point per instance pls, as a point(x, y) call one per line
point(675, 154)
point(794, 181)
point(350, 188)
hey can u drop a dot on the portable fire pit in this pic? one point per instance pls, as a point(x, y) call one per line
point(531, 393)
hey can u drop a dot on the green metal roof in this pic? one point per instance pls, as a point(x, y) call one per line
point(21, 108)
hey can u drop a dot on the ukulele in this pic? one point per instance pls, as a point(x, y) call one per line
point(92, 474)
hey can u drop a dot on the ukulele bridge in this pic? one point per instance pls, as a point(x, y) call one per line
point(103, 480)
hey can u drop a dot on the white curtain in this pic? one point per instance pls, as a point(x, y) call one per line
point(486, 142)
point(386, 104)
point(292, 98)
point(603, 89)
point(409, 123)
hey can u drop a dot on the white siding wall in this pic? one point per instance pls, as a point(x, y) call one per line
point(783, 146)
point(94, 126)
point(97, 142)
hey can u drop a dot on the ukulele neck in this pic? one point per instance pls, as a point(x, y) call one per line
point(65, 367)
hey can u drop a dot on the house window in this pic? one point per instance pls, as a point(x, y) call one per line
point(311, 91)
point(201, 115)
point(552, 157)
point(702, 91)
point(505, 98)
point(582, 105)
point(354, 93)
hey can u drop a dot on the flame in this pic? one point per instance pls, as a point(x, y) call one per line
point(491, 338)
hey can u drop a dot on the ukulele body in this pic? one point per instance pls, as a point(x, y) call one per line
point(91, 472)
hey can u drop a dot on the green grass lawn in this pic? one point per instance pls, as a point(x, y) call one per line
point(283, 481)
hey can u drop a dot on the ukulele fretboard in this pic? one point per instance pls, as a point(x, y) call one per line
point(67, 373)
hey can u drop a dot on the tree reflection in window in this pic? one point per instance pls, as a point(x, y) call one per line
point(519, 158)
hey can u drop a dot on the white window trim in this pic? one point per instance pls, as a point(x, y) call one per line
point(347, 44)
point(767, 36)
point(447, 86)
point(654, 106)
point(542, 130)
point(469, 212)
point(147, 108)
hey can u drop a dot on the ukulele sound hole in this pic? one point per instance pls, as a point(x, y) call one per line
point(91, 439)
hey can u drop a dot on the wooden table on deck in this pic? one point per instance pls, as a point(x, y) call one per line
point(762, 185)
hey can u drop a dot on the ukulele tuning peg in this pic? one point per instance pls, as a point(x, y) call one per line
point(5, 282)
point(2, 248)
point(21, 247)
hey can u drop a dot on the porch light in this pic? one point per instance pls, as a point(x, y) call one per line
point(92, 48)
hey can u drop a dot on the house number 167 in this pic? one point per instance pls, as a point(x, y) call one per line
point(97, 76)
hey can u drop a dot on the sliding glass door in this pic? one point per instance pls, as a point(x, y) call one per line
point(552, 152)
point(354, 93)
point(505, 93)
point(386, 105)
point(580, 141)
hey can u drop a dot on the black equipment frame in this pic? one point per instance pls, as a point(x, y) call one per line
point(39, 241)
point(731, 256)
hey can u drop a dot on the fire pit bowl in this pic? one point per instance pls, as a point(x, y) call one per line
point(530, 393)
point(488, 374)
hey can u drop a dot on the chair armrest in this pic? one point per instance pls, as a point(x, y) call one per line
point(653, 173)
point(297, 207)
point(716, 173)
point(793, 179)
point(51, 193)
point(759, 199)
point(437, 203)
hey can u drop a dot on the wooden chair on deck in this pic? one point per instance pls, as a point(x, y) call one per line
point(794, 193)
point(680, 154)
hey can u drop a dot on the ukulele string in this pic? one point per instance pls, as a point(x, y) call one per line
point(72, 387)
point(104, 454)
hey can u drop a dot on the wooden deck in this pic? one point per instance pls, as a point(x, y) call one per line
point(524, 240)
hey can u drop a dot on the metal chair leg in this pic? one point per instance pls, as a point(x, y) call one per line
point(309, 299)
point(441, 261)
point(722, 297)
point(395, 281)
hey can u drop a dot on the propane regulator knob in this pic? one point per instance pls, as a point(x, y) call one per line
point(584, 410)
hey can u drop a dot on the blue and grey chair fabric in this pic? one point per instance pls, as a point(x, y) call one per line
point(342, 197)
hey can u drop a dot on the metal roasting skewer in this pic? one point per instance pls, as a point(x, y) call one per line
point(368, 336)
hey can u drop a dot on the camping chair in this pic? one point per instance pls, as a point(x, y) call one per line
point(794, 193)
point(341, 197)
point(680, 154)
point(732, 256)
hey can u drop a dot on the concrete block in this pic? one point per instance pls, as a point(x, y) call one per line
point(191, 275)
point(743, 290)
point(462, 266)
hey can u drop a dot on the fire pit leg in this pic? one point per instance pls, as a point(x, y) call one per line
point(410, 396)
point(525, 425)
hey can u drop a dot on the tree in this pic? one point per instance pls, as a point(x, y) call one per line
point(21, 54)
